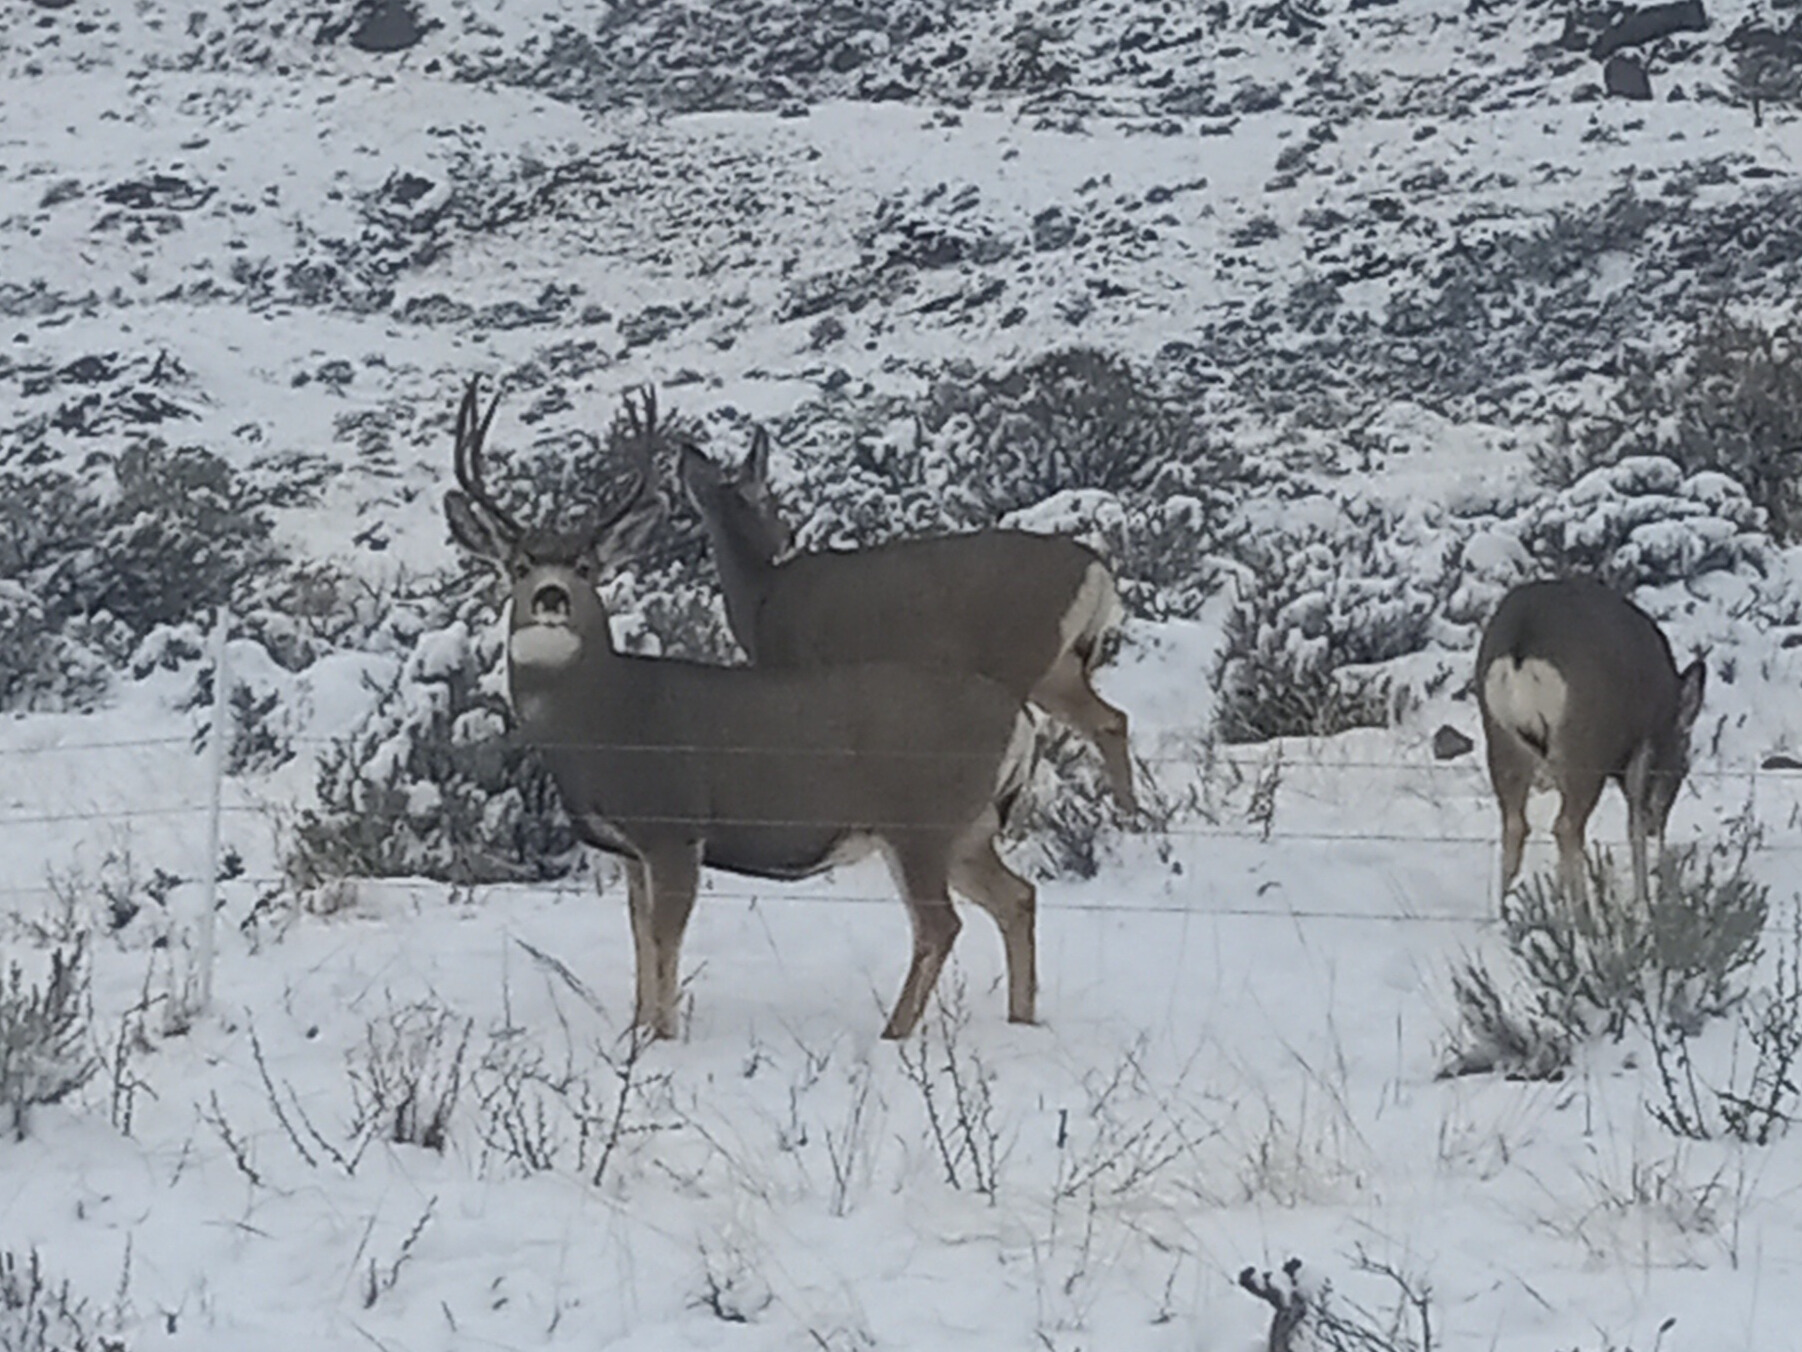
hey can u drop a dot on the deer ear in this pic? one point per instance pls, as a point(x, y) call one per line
point(470, 530)
point(695, 470)
point(626, 538)
point(1689, 693)
point(756, 468)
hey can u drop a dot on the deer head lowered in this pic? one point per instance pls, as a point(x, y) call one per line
point(1577, 686)
point(1026, 610)
point(673, 765)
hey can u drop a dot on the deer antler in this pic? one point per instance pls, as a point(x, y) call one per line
point(636, 434)
point(472, 432)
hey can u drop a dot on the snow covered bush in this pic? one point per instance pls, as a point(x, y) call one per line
point(90, 565)
point(44, 1051)
point(1580, 970)
point(1317, 612)
point(1643, 521)
point(1731, 403)
point(432, 784)
point(37, 1315)
point(1073, 440)
point(180, 533)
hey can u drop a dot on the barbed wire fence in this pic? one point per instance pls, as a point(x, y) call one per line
point(199, 807)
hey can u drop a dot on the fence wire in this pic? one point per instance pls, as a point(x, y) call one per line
point(1288, 758)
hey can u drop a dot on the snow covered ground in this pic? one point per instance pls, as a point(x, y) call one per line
point(233, 229)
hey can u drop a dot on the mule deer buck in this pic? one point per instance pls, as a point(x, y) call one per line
point(772, 774)
point(1026, 610)
point(1577, 686)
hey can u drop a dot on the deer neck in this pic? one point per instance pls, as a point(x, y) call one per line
point(747, 569)
point(551, 691)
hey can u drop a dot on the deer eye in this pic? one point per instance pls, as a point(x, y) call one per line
point(584, 569)
point(520, 568)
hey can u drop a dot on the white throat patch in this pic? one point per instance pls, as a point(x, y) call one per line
point(544, 645)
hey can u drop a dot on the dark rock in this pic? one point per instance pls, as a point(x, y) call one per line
point(388, 26)
point(1780, 760)
point(1625, 78)
point(1449, 743)
point(1651, 23)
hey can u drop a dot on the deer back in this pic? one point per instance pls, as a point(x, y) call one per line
point(1586, 679)
point(1000, 602)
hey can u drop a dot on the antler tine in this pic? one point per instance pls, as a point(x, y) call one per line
point(640, 435)
point(472, 435)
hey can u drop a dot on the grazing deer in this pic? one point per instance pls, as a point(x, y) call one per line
point(1577, 686)
point(1026, 610)
point(772, 774)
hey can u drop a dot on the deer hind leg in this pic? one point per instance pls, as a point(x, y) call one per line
point(922, 875)
point(1637, 783)
point(671, 876)
point(978, 873)
point(1066, 694)
point(1578, 793)
point(1511, 771)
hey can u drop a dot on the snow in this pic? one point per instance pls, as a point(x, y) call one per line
point(1245, 1012)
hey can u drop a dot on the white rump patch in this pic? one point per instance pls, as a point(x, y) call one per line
point(1095, 609)
point(544, 645)
point(1527, 698)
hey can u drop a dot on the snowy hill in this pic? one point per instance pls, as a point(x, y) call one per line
point(1327, 323)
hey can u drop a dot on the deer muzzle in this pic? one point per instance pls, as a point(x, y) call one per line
point(551, 604)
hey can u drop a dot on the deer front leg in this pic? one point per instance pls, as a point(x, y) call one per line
point(644, 953)
point(921, 874)
point(671, 875)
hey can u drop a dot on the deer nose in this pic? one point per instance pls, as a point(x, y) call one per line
point(550, 599)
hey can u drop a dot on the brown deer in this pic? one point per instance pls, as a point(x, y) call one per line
point(1026, 610)
point(772, 774)
point(1577, 686)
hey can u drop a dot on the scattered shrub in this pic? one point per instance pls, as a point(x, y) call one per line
point(432, 784)
point(91, 565)
point(407, 1076)
point(1602, 967)
point(1643, 522)
point(44, 1050)
point(39, 1316)
point(1317, 613)
point(1074, 440)
point(1731, 403)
